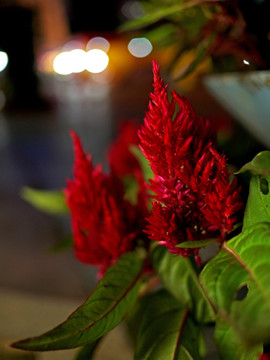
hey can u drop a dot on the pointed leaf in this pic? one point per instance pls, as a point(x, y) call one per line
point(181, 280)
point(166, 331)
point(196, 243)
point(258, 204)
point(243, 263)
point(259, 165)
point(49, 201)
point(101, 312)
point(230, 347)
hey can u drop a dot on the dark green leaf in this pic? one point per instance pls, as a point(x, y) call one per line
point(230, 346)
point(87, 351)
point(166, 331)
point(196, 243)
point(181, 280)
point(49, 201)
point(258, 204)
point(244, 262)
point(101, 312)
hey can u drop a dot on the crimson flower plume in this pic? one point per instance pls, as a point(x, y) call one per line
point(194, 196)
point(104, 224)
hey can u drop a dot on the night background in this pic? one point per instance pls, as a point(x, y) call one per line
point(40, 103)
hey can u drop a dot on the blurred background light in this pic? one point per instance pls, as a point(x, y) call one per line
point(96, 60)
point(73, 44)
point(63, 63)
point(246, 62)
point(77, 59)
point(98, 42)
point(3, 60)
point(140, 47)
point(132, 9)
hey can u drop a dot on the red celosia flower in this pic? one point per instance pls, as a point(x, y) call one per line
point(124, 164)
point(104, 224)
point(195, 198)
point(121, 159)
point(265, 357)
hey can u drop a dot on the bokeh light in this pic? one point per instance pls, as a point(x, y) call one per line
point(132, 9)
point(62, 63)
point(96, 60)
point(98, 42)
point(3, 60)
point(140, 47)
point(77, 58)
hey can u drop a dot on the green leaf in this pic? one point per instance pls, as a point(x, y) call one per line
point(166, 331)
point(200, 54)
point(196, 243)
point(87, 351)
point(160, 12)
point(131, 189)
point(259, 165)
point(180, 278)
point(49, 201)
point(243, 263)
point(230, 347)
point(258, 204)
point(145, 165)
point(101, 312)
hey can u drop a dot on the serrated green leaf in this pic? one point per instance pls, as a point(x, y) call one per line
point(230, 346)
point(49, 201)
point(101, 312)
point(196, 243)
point(166, 331)
point(244, 261)
point(179, 277)
point(258, 204)
point(87, 351)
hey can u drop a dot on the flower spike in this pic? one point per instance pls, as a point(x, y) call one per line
point(194, 197)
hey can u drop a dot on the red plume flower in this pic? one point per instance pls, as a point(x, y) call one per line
point(265, 357)
point(195, 199)
point(121, 159)
point(104, 224)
